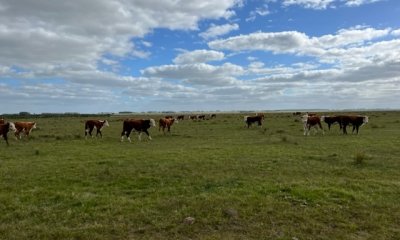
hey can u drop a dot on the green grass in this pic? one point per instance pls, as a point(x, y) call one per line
point(237, 183)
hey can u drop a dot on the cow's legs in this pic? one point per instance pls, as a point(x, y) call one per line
point(148, 135)
point(99, 132)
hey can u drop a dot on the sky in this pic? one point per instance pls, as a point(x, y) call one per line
point(92, 56)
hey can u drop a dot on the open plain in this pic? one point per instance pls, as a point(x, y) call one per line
point(208, 179)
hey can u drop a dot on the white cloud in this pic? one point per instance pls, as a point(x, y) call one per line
point(396, 32)
point(199, 74)
point(324, 4)
point(360, 2)
point(37, 34)
point(218, 30)
point(315, 4)
point(198, 56)
point(260, 11)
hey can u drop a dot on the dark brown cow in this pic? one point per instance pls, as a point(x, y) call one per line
point(169, 117)
point(181, 117)
point(201, 117)
point(2, 121)
point(98, 124)
point(5, 128)
point(213, 115)
point(249, 120)
point(311, 121)
point(138, 125)
point(166, 123)
point(23, 127)
point(331, 120)
point(193, 117)
point(355, 120)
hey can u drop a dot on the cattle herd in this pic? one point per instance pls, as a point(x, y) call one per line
point(309, 120)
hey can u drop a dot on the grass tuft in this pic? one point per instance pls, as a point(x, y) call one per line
point(359, 157)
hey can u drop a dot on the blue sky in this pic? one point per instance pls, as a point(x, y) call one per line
point(94, 56)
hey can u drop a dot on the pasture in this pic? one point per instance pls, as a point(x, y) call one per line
point(268, 182)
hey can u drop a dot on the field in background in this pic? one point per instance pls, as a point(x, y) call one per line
point(236, 183)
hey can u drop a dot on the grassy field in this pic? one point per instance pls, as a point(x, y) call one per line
point(236, 183)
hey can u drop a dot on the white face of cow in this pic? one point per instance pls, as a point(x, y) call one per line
point(152, 122)
point(12, 127)
point(365, 119)
point(304, 118)
point(105, 124)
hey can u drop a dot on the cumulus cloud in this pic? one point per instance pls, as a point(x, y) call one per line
point(218, 30)
point(198, 56)
point(39, 34)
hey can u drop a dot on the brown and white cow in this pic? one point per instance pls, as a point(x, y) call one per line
point(98, 124)
point(355, 120)
point(23, 127)
point(5, 128)
point(311, 121)
point(166, 123)
point(138, 125)
point(249, 120)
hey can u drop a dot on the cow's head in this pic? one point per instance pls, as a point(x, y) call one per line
point(105, 123)
point(152, 122)
point(365, 119)
point(12, 126)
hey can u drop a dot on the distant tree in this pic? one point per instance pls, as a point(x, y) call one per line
point(24, 114)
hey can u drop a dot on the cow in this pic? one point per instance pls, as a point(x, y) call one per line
point(355, 120)
point(201, 117)
point(169, 116)
point(5, 128)
point(252, 119)
point(138, 125)
point(23, 127)
point(181, 117)
point(166, 123)
point(193, 117)
point(311, 121)
point(98, 124)
point(331, 120)
point(2, 121)
point(213, 115)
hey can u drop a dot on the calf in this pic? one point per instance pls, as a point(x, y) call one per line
point(5, 128)
point(139, 125)
point(98, 124)
point(23, 127)
point(249, 120)
point(166, 123)
point(311, 121)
